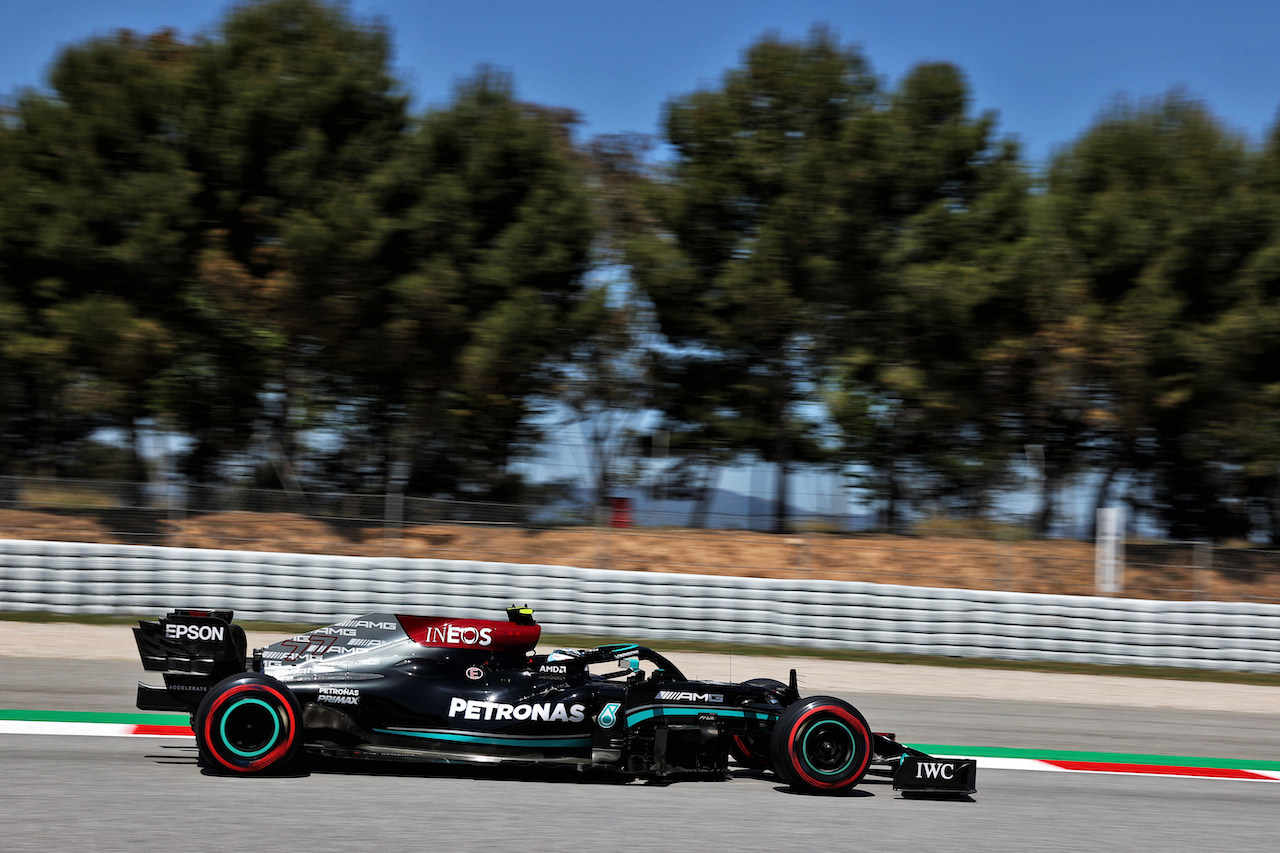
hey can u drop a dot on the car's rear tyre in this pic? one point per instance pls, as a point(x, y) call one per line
point(821, 745)
point(753, 752)
point(248, 723)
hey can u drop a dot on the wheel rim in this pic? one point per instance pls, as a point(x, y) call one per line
point(828, 747)
point(249, 728)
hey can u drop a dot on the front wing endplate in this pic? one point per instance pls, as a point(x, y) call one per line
point(929, 775)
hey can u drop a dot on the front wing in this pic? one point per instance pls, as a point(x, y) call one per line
point(925, 774)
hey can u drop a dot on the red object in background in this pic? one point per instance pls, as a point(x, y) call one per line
point(619, 512)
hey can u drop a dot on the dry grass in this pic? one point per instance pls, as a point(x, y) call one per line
point(1055, 566)
point(20, 524)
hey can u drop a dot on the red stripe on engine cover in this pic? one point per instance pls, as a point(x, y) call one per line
point(484, 634)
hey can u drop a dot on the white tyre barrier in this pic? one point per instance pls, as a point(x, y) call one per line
point(69, 577)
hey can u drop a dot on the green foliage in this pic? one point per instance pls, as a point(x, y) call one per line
point(486, 229)
point(943, 208)
point(739, 256)
point(292, 113)
point(97, 221)
point(816, 232)
point(245, 239)
point(1169, 223)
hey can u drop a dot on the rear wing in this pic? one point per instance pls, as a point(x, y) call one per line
point(195, 649)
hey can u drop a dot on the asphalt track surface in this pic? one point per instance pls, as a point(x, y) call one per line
point(144, 794)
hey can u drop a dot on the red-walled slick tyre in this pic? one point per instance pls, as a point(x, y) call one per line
point(821, 745)
point(248, 723)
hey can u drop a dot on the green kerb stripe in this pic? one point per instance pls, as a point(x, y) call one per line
point(1100, 757)
point(95, 717)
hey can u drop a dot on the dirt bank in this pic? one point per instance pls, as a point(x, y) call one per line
point(1054, 566)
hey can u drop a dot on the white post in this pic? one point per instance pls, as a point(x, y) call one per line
point(1108, 561)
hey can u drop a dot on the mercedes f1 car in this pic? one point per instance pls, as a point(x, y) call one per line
point(472, 691)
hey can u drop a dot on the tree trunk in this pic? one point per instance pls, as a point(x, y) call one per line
point(783, 452)
point(1045, 516)
point(780, 510)
point(889, 513)
point(1273, 512)
point(135, 490)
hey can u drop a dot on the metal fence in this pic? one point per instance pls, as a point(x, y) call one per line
point(398, 526)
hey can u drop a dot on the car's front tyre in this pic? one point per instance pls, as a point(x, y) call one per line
point(821, 745)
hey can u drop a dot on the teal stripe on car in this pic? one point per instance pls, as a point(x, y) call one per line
point(640, 716)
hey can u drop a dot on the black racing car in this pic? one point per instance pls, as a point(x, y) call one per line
point(472, 691)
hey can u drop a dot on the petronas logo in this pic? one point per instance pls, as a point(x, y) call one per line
point(608, 715)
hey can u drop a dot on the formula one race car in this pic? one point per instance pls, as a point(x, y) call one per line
point(471, 691)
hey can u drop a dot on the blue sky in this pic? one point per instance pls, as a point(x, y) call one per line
point(1046, 68)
